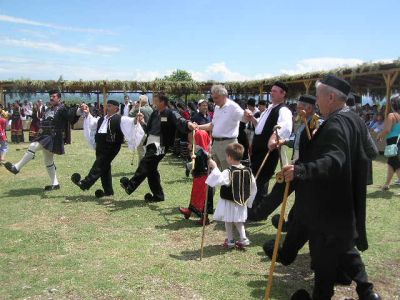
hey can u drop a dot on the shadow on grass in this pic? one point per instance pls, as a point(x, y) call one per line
point(25, 192)
point(208, 251)
point(287, 279)
point(111, 204)
point(179, 224)
point(380, 194)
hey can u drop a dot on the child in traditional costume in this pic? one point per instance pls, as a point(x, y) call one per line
point(238, 189)
point(199, 187)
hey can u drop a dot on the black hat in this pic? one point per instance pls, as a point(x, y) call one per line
point(262, 102)
point(282, 85)
point(337, 83)
point(251, 102)
point(113, 102)
point(308, 99)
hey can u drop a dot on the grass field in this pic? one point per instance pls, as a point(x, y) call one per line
point(67, 244)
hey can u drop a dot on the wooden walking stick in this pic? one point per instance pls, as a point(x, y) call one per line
point(280, 178)
point(276, 127)
point(205, 216)
point(193, 148)
point(277, 242)
point(302, 114)
point(262, 165)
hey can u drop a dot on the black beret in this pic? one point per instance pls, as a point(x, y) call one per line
point(308, 99)
point(113, 102)
point(337, 83)
point(251, 102)
point(282, 85)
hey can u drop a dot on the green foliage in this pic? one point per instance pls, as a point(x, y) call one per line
point(179, 75)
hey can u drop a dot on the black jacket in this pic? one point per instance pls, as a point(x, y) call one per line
point(332, 179)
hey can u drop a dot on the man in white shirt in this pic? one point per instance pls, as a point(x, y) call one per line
point(265, 140)
point(224, 125)
point(125, 107)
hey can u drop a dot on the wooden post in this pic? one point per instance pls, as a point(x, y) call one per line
point(261, 92)
point(389, 81)
point(2, 98)
point(104, 97)
point(307, 84)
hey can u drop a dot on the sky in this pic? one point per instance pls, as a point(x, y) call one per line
point(213, 40)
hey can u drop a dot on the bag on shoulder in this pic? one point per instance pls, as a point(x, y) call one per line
point(392, 150)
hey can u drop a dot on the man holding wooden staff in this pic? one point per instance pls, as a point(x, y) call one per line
point(332, 184)
point(264, 140)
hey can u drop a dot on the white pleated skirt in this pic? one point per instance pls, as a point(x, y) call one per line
point(229, 211)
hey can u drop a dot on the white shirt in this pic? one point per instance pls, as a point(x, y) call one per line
point(226, 120)
point(104, 126)
point(126, 110)
point(285, 121)
point(132, 132)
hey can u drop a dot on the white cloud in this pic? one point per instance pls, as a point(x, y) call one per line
point(220, 72)
point(54, 47)
point(16, 20)
point(12, 67)
point(321, 64)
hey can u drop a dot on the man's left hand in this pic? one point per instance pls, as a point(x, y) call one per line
point(288, 173)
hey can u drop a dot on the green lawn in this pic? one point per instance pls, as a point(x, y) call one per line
point(68, 245)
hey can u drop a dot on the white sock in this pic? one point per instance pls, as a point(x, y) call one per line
point(229, 230)
point(50, 166)
point(241, 230)
point(28, 156)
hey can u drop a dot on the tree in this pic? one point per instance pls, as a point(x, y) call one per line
point(179, 75)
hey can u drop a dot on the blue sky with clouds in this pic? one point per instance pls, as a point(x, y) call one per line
point(220, 40)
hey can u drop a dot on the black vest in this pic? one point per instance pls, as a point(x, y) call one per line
point(168, 127)
point(239, 188)
point(114, 134)
point(260, 141)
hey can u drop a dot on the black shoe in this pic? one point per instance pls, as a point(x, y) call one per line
point(150, 198)
point(52, 187)
point(187, 171)
point(76, 179)
point(10, 167)
point(101, 193)
point(126, 185)
point(371, 296)
point(268, 248)
point(301, 295)
point(275, 222)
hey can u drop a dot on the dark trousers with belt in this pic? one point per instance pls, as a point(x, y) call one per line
point(330, 253)
point(148, 169)
point(105, 153)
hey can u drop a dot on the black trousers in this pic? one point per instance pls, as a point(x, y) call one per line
point(330, 253)
point(148, 169)
point(265, 174)
point(296, 237)
point(105, 153)
point(268, 203)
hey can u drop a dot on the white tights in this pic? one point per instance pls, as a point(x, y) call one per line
point(47, 158)
point(240, 228)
